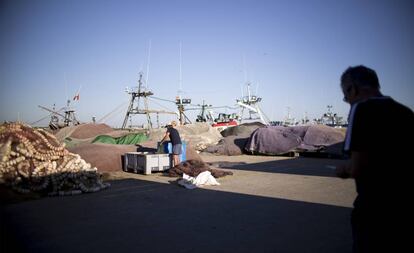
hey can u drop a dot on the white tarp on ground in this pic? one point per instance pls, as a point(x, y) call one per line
point(203, 179)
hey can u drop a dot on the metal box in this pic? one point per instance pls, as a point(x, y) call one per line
point(146, 162)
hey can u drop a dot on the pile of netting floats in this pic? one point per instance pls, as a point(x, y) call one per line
point(33, 160)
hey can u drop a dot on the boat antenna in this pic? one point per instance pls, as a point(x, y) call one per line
point(148, 63)
point(141, 67)
point(244, 68)
point(66, 85)
point(248, 91)
point(180, 81)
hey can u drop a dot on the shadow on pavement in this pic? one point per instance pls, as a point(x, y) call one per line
point(298, 166)
point(141, 216)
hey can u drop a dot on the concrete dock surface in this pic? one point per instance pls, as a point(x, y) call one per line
point(269, 204)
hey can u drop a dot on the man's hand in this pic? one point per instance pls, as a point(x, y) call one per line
point(343, 171)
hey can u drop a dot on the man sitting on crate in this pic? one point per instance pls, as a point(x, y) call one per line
point(175, 138)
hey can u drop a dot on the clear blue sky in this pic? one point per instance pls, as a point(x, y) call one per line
point(295, 50)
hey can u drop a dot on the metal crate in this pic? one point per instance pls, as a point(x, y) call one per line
point(146, 162)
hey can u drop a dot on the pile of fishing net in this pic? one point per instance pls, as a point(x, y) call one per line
point(33, 160)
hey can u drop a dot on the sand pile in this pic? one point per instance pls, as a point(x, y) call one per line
point(86, 133)
point(90, 130)
point(256, 138)
point(230, 145)
point(321, 135)
point(106, 157)
point(63, 133)
point(235, 139)
point(191, 153)
point(279, 140)
point(151, 146)
point(245, 129)
point(83, 131)
point(200, 135)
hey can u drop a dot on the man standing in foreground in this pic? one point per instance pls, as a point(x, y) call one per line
point(175, 138)
point(377, 137)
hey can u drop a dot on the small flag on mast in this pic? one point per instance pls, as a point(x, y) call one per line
point(77, 96)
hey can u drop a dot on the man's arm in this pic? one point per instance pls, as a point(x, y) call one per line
point(353, 168)
point(166, 135)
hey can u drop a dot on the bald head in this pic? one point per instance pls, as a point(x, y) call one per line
point(360, 77)
point(359, 83)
